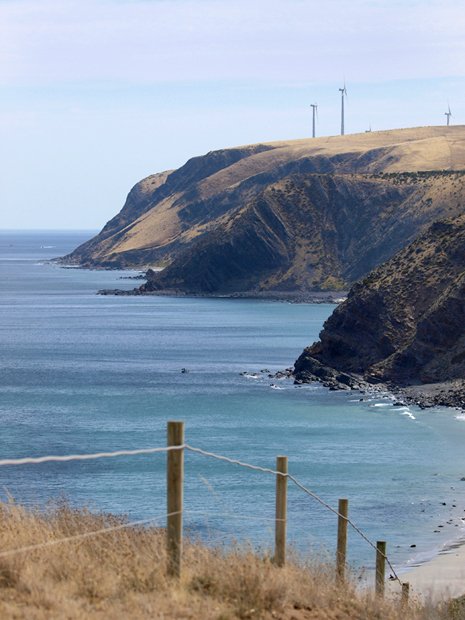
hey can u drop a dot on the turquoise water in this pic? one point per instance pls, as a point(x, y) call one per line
point(82, 373)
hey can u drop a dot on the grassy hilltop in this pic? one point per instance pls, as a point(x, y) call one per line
point(301, 215)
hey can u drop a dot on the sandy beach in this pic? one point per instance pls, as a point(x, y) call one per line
point(440, 579)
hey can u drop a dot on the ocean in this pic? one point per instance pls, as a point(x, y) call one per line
point(84, 373)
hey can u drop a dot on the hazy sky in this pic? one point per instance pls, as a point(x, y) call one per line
point(96, 94)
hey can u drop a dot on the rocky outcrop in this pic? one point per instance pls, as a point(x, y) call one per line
point(405, 323)
point(304, 215)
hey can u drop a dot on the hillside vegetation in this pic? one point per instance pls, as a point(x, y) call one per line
point(122, 575)
point(405, 322)
point(314, 214)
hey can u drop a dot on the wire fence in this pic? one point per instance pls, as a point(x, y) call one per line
point(34, 460)
point(175, 516)
point(129, 524)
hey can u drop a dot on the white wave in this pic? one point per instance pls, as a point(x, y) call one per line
point(381, 405)
point(460, 416)
point(408, 413)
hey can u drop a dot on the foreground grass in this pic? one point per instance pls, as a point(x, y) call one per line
point(122, 575)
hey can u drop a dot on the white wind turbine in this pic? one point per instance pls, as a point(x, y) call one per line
point(315, 114)
point(343, 92)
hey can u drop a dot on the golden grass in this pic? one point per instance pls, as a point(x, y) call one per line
point(122, 575)
point(397, 150)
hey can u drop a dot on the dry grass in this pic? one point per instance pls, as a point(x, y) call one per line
point(398, 150)
point(122, 575)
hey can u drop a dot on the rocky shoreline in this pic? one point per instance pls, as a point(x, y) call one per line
point(403, 326)
point(299, 297)
point(308, 369)
point(443, 394)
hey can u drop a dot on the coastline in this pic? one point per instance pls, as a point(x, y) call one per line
point(299, 297)
point(425, 395)
point(414, 567)
point(444, 394)
point(438, 579)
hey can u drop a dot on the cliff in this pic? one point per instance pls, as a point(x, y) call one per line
point(303, 215)
point(404, 323)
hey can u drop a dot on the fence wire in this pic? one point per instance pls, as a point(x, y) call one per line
point(311, 494)
point(76, 537)
point(85, 457)
point(193, 449)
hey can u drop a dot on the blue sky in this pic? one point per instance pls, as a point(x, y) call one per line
point(95, 95)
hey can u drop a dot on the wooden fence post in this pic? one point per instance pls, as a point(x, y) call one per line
point(405, 594)
point(380, 567)
point(341, 555)
point(174, 479)
point(281, 512)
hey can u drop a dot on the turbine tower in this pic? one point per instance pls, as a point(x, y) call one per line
point(315, 113)
point(343, 92)
point(448, 114)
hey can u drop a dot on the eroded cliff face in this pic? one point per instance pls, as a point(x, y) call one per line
point(303, 215)
point(154, 216)
point(311, 232)
point(405, 322)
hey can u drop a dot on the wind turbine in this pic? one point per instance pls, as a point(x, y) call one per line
point(343, 92)
point(315, 114)
point(448, 114)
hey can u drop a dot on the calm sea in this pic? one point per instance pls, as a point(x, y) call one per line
point(83, 373)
